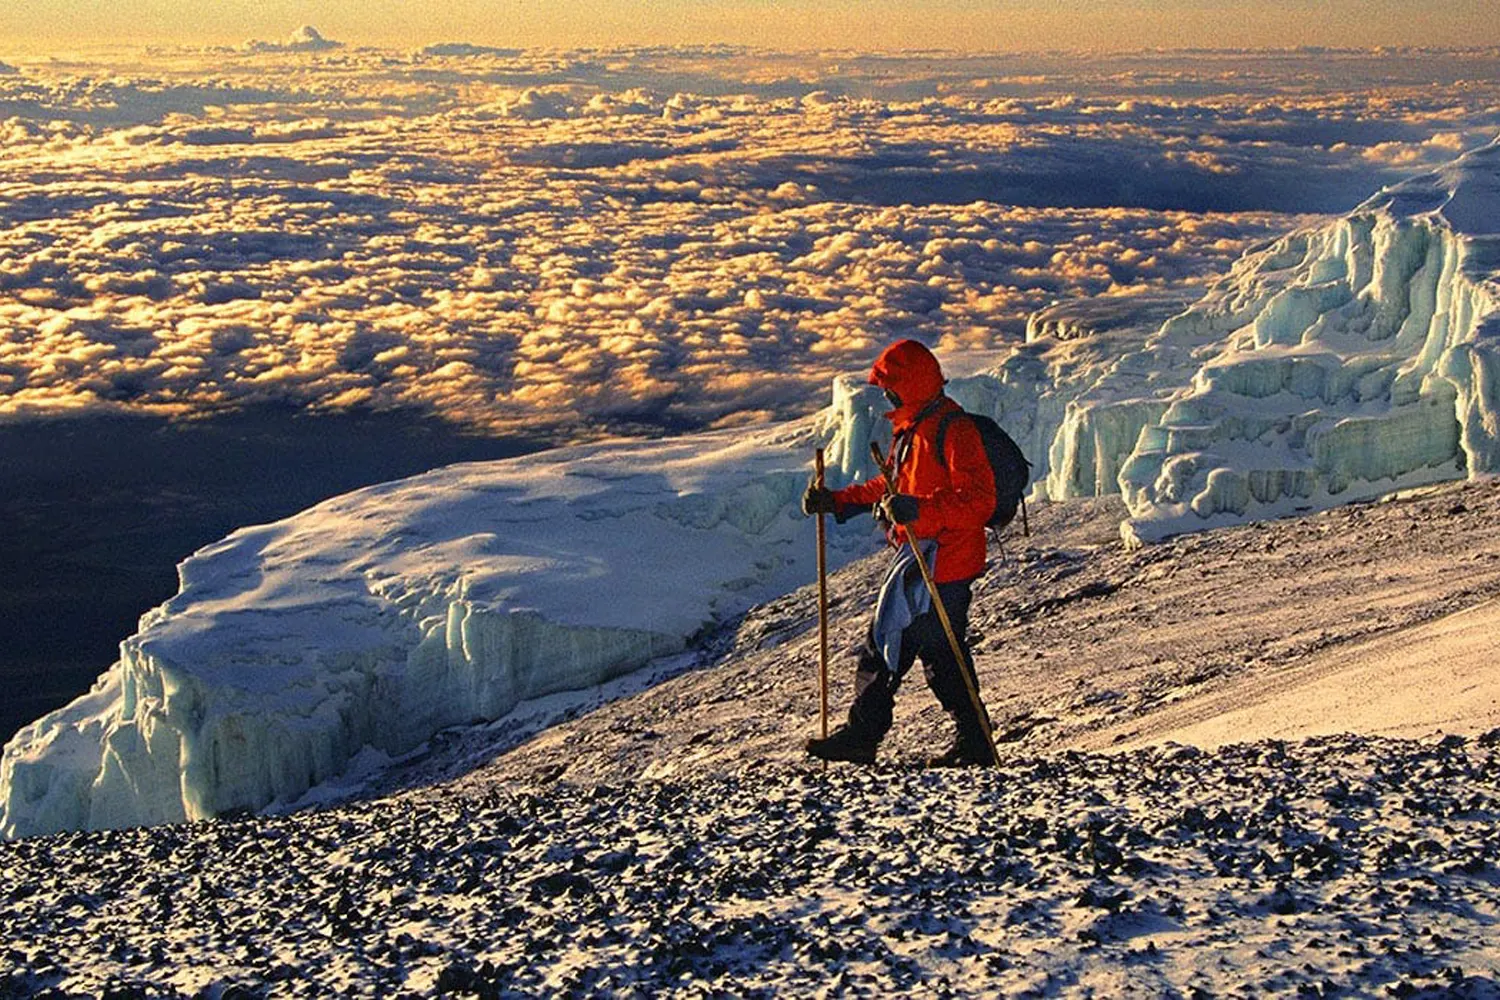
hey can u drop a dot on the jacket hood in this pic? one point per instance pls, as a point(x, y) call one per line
point(912, 372)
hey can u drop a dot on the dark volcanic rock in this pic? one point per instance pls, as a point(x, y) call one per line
point(1067, 869)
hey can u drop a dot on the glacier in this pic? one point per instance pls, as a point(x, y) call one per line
point(380, 617)
point(1340, 362)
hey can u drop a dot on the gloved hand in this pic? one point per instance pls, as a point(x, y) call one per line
point(818, 500)
point(899, 508)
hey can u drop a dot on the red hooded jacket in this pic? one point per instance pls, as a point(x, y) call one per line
point(955, 497)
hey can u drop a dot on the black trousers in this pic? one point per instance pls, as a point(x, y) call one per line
point(875, 684)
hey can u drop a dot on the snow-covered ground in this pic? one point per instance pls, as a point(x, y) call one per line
point(1434, 678)
point(673, 841)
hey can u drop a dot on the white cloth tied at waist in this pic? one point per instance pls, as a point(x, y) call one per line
point(903, 597)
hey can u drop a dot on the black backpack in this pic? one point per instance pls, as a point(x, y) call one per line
point(1011, 470)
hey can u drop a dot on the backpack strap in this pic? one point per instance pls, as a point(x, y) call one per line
point(942, 434)
point(902, 445)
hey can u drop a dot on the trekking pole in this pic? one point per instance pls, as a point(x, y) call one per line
point(942, 613)
point(822, 601)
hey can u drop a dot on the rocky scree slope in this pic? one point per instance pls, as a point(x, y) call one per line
point(1345, 866)
point(674, 842)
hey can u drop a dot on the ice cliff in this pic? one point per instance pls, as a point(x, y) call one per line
point(380, 617)
point(1340, 362)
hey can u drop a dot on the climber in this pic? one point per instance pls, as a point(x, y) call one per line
point(941, 502)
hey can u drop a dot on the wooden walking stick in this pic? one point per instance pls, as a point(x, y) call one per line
point(822, 600)
point(942, 612)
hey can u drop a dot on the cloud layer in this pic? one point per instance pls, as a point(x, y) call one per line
point(647, 239)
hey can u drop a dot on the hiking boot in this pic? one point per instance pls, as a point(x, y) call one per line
point(965, 752)
point(844, 744)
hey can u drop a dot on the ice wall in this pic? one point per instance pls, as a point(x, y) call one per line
point(1339, 363)
point(378, 618)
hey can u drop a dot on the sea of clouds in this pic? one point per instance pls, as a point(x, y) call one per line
point(634, 240)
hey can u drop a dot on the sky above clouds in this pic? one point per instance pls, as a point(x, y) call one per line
point(637, 240)
point(970, 25)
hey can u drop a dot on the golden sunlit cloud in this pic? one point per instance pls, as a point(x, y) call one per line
point(626, 239)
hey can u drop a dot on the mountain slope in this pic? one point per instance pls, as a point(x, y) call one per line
point(1347, 865)
point(1340, 363)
